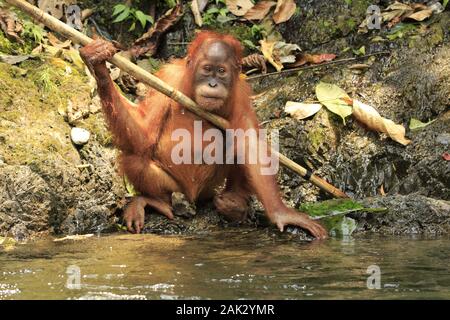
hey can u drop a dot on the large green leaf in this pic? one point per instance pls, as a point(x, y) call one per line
point(332, 207)
point(141, 17)
point(129, 186)
point(331, 214)
point(331, 96)
point(118, 9)
point(343, 227)
point(415, 124)
point(121, 17)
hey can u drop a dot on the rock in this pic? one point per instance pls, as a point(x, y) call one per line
point(79, 136)
point(25, 200)
point(47, 185)
point(141, 90)
point(443, 138)
point(181, 206)
point(406, 214)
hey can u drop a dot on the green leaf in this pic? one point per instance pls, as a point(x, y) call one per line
point(415, 124)
point(224, 19)
point(360, 52)
point(330, 96)
point(343, 227)
point(400, 30)
point(133, 26)
point(223, 11)
point(445, 3)
point(332, 214)
point(121, 17)
point(150, 19)
point(331, 207)
point(130, 188)
point(249, 44)
point(141, 17)
point(118, 9)
point(212, 10)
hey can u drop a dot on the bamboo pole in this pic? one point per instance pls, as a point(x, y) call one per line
point(156, 83)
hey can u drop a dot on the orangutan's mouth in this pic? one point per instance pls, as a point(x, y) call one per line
point(212, 98)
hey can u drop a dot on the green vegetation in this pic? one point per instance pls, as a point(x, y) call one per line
point(29, 103)
point(124, 13)
point(217, 15)
point(33, 31)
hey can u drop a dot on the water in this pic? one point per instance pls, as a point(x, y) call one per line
point(229, 264)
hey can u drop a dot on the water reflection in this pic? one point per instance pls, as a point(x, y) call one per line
point(229, 264)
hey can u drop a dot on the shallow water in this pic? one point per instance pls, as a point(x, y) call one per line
point(230, 264)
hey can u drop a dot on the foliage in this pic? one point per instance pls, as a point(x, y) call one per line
point(257, 32)
point(331, 96)
point(123, 12)
point(415, 124)
point(33, 31)
point(400, 30)
point(332, 214)
point(217, 13)
point(331, 207)
point(171, 3)
point(155, 64)
point(46, 78)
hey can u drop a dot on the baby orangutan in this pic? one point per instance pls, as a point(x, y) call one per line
point(144, 133)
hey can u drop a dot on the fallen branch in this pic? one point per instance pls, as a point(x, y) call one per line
point(156, 83)
point(317, 65)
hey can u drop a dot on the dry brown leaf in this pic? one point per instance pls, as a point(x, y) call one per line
point(202, 4)
point(392, 15)
point(255, 60)
point(399, 6)
point(372, 119)
point(419, 6)
point(196, 12)
point(148, 43)
point(239, 7)
point(259, 10)
point(10, 25)
point(55, 7)
point(267, 50)
point(313, 58)
point(382, 192)
point(37, 50)
point(54, 41)
point(421, 15)
point(300, 110)
point(397, 12)
point(359, 66)
point(10, 59)
point(284, 11)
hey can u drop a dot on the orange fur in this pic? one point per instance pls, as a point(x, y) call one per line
point(143, 134)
